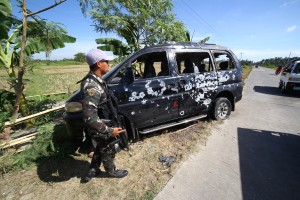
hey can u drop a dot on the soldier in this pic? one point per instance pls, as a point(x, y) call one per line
point(95, 98)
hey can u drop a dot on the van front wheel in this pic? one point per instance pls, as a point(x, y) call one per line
point(221, 109)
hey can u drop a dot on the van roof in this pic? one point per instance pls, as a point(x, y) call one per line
point(187, 45)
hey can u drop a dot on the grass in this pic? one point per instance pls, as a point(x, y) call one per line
point(41, 83)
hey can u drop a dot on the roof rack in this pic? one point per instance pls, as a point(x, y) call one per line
point(194, 43)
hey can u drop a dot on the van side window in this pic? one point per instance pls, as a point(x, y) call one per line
point(196, 62)
point(297, 68)
point(150, 65)
point(223, 61)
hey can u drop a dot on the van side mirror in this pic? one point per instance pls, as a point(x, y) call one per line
point(287, 70)
point(129, 74)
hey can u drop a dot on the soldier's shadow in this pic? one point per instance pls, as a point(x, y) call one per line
point(64, 164)
point(59, 170)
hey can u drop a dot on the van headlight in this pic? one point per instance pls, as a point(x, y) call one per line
point(294, 79)
point(73, 107)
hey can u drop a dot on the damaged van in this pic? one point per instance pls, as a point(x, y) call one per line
point(166, 85)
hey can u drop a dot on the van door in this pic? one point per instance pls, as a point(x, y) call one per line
point(226, 68)
point(198, 81)
point(151, 98)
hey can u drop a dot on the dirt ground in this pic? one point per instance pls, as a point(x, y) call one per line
point(62, 179)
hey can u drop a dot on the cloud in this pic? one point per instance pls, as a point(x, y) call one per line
point(288, 3)
point(291, 28)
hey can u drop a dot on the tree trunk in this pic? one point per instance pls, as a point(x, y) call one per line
point(21, 69)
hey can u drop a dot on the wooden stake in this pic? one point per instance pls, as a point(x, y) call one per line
point(6, 124)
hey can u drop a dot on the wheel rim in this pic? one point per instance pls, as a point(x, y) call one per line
point(223, 110)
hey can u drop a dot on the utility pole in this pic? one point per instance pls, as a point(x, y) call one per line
point(241, 55)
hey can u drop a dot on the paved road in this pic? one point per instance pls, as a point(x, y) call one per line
point(253, 155)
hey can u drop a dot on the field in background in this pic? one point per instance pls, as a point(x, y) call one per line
point(46, 80)
point(57, 77)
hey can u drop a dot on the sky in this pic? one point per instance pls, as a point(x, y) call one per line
point(252, 29)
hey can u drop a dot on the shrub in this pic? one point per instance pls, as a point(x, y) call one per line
point(52, 141)
point(6, 106)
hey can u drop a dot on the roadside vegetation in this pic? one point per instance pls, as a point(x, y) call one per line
point(272, 63)
point(246, 71)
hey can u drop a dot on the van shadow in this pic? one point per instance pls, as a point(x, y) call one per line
point(269, 164)
point(63, 164)
point(274, 91)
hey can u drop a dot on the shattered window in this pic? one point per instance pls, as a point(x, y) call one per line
point(151, 65)
point(223, 61)
point(199, 62)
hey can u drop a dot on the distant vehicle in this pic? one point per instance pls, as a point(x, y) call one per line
point(290, 77)
point(166, 85)
point(256, 66)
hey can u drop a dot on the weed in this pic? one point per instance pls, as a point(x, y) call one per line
point(149, 195)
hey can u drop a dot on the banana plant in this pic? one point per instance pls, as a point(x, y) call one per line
point(114, 45)
point(42, 37)
point(6, 18)
point(204, 40)
point(28, 38)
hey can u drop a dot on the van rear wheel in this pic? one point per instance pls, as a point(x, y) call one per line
point(283, 89)
point(221, 109)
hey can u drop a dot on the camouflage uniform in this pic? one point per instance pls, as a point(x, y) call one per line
point(94, 94)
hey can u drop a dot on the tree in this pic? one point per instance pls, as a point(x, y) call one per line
point(42, 36)
point(139, 22)
point(80, 57)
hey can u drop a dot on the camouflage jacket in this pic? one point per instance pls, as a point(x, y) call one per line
point(93, 93)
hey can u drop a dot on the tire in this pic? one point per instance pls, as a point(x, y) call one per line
point(221, 109)
point(283, 89)
point(280, 85)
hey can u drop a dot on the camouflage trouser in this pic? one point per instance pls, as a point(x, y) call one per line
point(103, 155)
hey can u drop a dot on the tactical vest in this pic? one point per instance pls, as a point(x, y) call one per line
point(108, 109)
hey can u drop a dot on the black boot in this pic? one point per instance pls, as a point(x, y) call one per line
point(93, 172)
point(117, 173)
